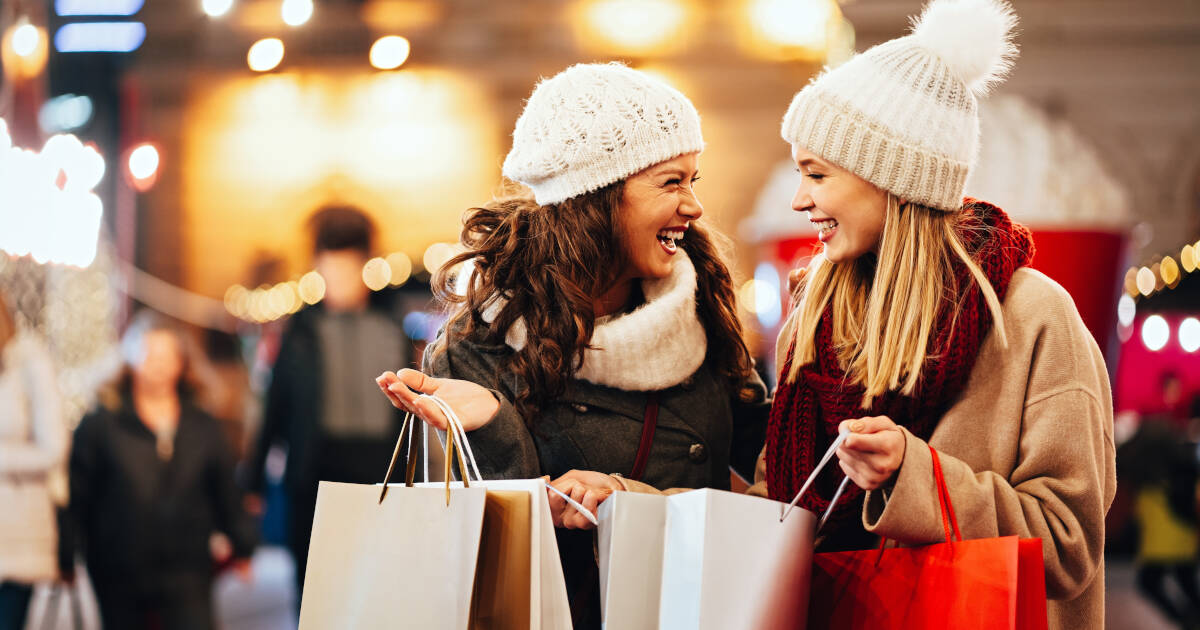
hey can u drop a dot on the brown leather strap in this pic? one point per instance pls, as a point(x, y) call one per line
point(649, 423)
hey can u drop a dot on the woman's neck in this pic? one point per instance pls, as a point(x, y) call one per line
point(156, 405)
point(617, 299)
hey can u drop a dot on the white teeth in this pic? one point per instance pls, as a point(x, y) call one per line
point(825, 224)
point(674, 235)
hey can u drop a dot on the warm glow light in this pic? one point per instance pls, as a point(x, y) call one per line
point(265, 54)
point(436, 256)
point(283, 299)
point(235, 300)
point(296, 12)
point(1131, 286)
point(803, 23)
point(1155, 332)
point(1187, 258)
point(389, 53)
point(1189, 334)
point(24, 50)
point(1126, 310)
point(312, 287)
point(1145, 281)
point(25, 39)
point(757, 296)
point(143, 162)
point(635, 26)
point(217, 8)
point(1169, 270)
point(376, 274)
point(47, 208)
point(401, 266)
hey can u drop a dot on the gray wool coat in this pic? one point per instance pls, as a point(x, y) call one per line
point(703, 429)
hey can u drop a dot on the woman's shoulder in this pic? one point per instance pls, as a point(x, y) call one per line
point(1036, 300)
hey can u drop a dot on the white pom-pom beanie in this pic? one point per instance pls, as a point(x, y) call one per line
point(595, 124)
point(903, 115)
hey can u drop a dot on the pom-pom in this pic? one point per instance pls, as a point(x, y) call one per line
point(972, 37)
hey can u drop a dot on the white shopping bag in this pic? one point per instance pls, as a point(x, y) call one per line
point(722, 560)
point(630, 550)
point(406, 562)
point(549, 606)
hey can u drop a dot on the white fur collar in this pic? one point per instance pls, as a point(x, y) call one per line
point(656, 346)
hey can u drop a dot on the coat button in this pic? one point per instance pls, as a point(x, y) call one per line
point(579, 407)
point(697, 453)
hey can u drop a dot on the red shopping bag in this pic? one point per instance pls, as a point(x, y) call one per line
point(986, 584)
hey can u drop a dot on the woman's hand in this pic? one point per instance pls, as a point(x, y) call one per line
point(475, 405)
point(873, 451)
point(587, 487)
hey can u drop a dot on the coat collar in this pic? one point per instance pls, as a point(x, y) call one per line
point(657, 345)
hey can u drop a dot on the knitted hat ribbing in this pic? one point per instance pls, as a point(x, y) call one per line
point(903, 115)
point(595, 124)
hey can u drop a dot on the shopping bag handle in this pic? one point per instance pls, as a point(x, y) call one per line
point(456, 444)
point(949, 520)
point(825, 459)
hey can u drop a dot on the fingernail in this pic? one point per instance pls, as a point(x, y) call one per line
point(857, 425)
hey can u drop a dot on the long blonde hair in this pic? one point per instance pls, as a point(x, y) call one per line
point(886, 308)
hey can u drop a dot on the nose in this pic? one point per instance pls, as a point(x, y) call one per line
point(802, 201)
point(691, 208)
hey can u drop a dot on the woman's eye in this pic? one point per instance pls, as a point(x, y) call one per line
point(816, 177)
point(671, 182)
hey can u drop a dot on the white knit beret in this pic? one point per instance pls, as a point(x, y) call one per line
point(595, 124)
point(903, 115)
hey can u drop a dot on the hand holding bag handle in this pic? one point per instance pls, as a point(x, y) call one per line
point(408, 428)
point(825, 459)
point(455, 433)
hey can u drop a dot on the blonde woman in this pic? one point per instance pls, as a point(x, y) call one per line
point(33, 445)
point(921, 324)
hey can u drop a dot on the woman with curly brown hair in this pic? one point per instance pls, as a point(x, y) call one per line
point(598, 329)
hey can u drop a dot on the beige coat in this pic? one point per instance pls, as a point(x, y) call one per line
point(1026, 450)
point(33, 448)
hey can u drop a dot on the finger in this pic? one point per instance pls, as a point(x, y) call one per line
point(853, 470)
point(394, 398)
point(867, 425)
point(431, 413)
point(556, 508)
point(418, 381)
point(399, 392)
point(868, 443)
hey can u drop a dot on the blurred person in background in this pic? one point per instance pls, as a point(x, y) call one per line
point(322, 403)
point(33, 450)
point(1158, 466)
point(151, 481)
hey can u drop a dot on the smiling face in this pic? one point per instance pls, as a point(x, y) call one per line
point(657, 208)
point(847, 211)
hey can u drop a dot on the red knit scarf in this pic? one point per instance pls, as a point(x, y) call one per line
point(806, 412)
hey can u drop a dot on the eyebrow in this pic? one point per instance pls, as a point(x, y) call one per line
point(809, 161)
point(673, 170)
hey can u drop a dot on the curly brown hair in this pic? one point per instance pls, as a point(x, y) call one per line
point(549, 263)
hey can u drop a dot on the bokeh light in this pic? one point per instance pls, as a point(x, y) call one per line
point(389, 53)
point(1189, 334)
point(312, 287)
point(265, 54)
point(1155, 332)
point(376, 274)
